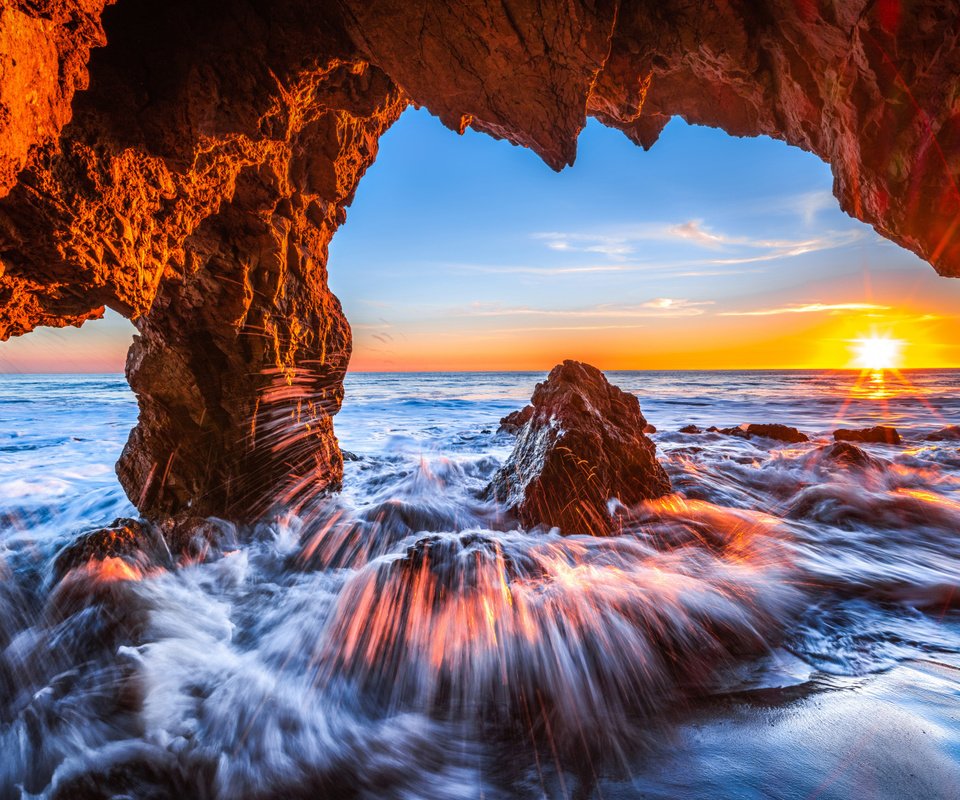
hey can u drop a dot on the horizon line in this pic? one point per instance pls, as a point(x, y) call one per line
point(544, 369)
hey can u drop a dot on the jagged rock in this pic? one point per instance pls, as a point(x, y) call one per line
point(879, 434)
point(849, 455)
point(515, 420)
point(582, 446)
point(196, 183)
point(782, 433)
point(690, 429)
point(947, 434)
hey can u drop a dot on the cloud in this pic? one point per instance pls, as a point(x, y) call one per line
point(620, 243)
point(692, 231)
point(809, 308)
point(530, 328)
point(658, 307)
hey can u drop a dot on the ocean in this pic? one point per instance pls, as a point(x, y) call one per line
point(783, 626)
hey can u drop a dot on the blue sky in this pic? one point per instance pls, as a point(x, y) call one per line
point(708, 250)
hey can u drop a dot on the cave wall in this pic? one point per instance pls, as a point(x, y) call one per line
point(186, 163)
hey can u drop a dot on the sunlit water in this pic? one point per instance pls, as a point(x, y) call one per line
point(783, 626)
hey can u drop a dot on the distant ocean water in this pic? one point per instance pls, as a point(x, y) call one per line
point(783, 627)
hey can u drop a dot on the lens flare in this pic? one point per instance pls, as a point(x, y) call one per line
point(877, 353)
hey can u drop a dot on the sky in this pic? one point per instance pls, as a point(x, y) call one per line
point(707, 252)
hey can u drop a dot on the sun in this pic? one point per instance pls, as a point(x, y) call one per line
point(877, 353)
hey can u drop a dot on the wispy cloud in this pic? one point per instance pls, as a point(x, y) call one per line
point(619, 244)
point(658, 307)
point(531, 328)
point(809, 308)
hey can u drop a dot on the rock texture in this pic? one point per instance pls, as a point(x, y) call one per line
point(582, 446)
point(195, 183)
point(879, 434)
point(515, 420)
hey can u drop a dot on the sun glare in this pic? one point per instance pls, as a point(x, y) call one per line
point(877, 353)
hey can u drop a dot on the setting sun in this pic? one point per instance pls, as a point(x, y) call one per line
point(877, 352)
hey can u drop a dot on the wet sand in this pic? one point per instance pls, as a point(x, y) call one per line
point(892, 736)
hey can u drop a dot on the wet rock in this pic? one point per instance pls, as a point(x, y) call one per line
point(879, 434)
point(582, 446)
point(199, 538)
point(143, 545)
point(948, 434)
point(648, 428)
point(515, 420)
point(132, 541)
point(349, 456)
point(845, 454)
point(782, 433)
point(691, 429)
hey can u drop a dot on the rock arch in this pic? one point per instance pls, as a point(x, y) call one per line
point(186, 163)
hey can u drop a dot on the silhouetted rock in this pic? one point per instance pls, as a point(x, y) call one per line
point(849, 455)
point(690, 429)
point(879, 434)
point(950, 433)
point(582, 446)
point(783, 433)
point(515, 420)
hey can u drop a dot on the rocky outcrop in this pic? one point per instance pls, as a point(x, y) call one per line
point(195, 183)
point(582, 447)
point(879, 434)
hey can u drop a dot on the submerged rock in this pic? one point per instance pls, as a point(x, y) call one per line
point(582, 446)
point(948, 434)
point(879, 434)
point(849, 455)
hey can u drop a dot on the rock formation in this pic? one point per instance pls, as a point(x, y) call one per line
point(879, 434)
point(582, 447)
point(186, 164)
